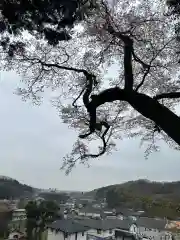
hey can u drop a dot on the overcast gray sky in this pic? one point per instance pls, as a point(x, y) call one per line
point(33, 141)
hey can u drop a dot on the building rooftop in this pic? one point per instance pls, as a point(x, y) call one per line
point(126, 212)
point(151, 223)
point(82, 225)
point(68, 226)
point(106, 224)
point(90, 210)
point(19, 210)
point(125, 234)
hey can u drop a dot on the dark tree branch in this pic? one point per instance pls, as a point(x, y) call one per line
point(147, 106)
point(167, 95)
point(146, 66)
point(137, 59)
point(93, 125)
point(104, 147)
point(76, 99)
point(128, 51)
point(55, 65)
point(143, 79)
point(128, 72)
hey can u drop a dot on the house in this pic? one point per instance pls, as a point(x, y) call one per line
point(85, 229)
point(70, 204)
point(105, 228)
point(90, 212)
point(108, 214)
point(99, 204)
point(151, 228)
point(19, 214)
point(123, 213)
point(96, 205)
point(124, 235)
point(18, 219)
point(89, 199)
point(67, 228)
point(76, 217)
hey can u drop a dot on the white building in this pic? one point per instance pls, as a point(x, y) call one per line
point(66, 229)
point(83, 229)
point(18, 221)
point(90, 212)
point(91, 229)
point(151, 228)
point(123, 213)
point(19, 214)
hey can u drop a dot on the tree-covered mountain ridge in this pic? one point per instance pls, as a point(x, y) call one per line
point(11, 188)
point(142, 188)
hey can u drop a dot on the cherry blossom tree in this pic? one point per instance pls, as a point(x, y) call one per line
point(135, 38)
point(47, 19)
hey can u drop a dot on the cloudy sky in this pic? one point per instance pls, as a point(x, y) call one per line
point(33, 141)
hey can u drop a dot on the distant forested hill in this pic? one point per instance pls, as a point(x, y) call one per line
point(54, 196)
point(11, 188)
point(155, 198)
point(144, 188)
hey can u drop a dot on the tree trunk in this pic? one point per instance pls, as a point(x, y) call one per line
point(161, 115)
point(147, 106)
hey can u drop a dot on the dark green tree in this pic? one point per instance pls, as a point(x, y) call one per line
point(112, 198)
point(39, 214)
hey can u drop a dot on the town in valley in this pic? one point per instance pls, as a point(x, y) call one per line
point(104, 213)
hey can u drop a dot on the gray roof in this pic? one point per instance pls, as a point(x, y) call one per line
point(68, 226)
point(77, 217)
point(151, 223)
point(106, 224)
point(126, 211)
point(108, 210)
point(90, 210)
point(122, 233)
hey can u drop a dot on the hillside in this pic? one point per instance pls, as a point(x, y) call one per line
point(54, 196)
point(144, 188)
point(155, 197)
point(11, 188)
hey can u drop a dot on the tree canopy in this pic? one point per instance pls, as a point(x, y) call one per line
point(116, 76)
point(41, 18)
point(39, 215)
